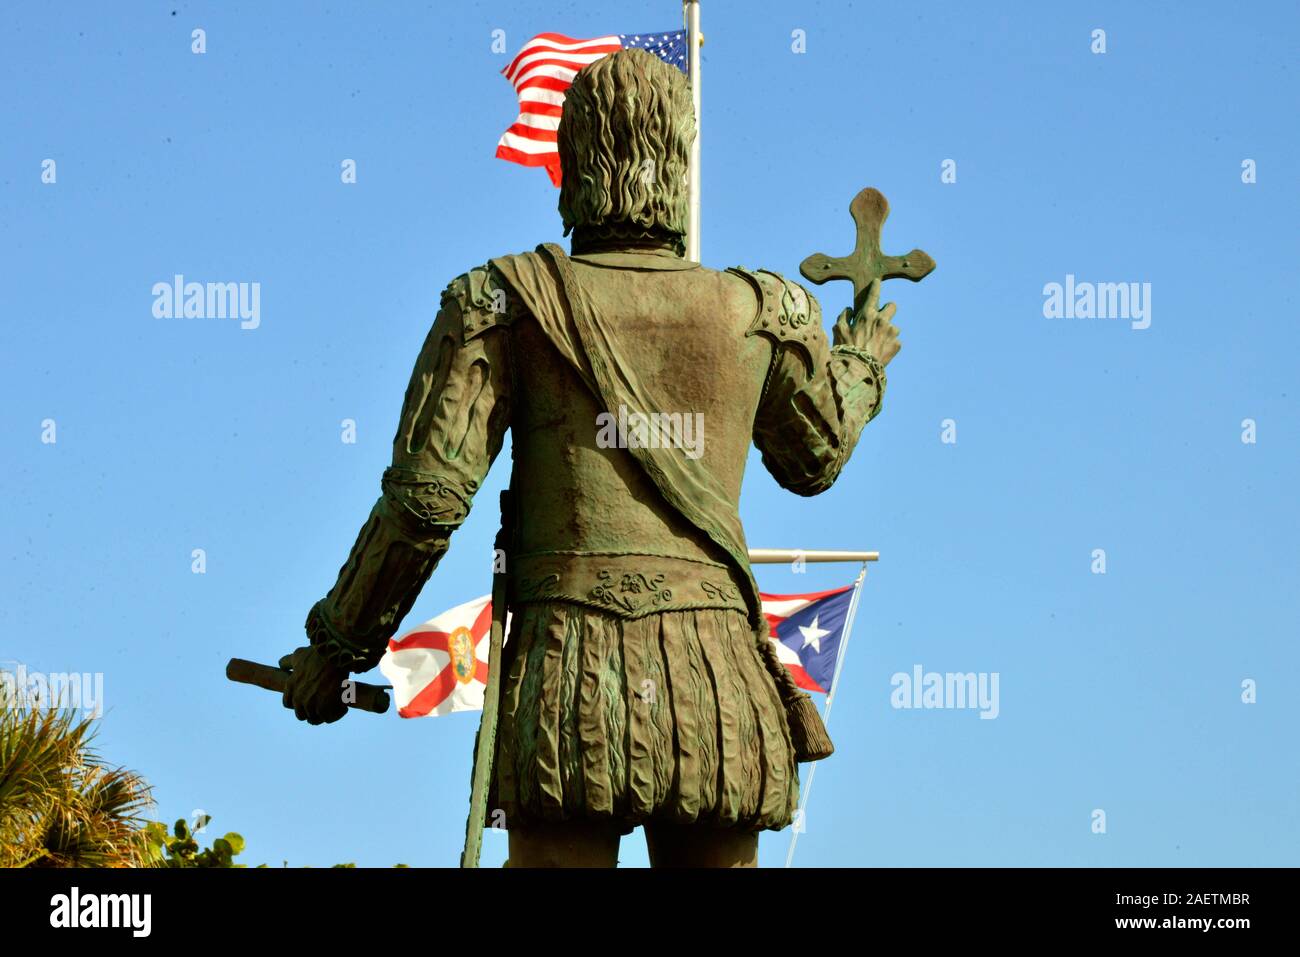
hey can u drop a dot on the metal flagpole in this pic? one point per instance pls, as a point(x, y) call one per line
point(787, 556)
point(694, 39)
point(801, 816)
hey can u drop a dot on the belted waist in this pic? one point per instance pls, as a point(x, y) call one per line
point(629, 586)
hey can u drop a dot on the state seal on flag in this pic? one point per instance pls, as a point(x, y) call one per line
point(460, 645)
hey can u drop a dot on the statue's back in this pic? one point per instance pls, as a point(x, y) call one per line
point(680, 326)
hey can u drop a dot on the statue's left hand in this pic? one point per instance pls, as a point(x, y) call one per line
point(315, 690)
point(870, 329)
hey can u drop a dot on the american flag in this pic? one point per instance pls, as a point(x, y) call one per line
point(544, 70)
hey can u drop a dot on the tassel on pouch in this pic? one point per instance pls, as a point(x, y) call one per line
point(808, 733)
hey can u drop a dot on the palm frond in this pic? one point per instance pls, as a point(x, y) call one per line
point(60, 806)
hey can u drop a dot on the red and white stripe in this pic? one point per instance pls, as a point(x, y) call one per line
point(541, 75)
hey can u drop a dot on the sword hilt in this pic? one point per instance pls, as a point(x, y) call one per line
point(372, 698)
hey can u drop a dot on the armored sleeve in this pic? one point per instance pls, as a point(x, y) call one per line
point(454, 419)
point(817, 397)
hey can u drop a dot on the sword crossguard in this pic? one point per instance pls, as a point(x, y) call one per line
point(866, 263)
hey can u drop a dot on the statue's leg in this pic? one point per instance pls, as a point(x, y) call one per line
point(698, 845)
point(570, 844)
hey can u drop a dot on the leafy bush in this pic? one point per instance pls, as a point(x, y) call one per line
point(180, 849)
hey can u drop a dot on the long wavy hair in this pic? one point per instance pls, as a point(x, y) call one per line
point(624, 141)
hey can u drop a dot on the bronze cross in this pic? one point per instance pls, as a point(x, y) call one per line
point(869, 210)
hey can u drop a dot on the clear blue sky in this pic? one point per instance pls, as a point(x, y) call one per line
point(1119, 692)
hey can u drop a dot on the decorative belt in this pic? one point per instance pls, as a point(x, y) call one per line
point(629, 586)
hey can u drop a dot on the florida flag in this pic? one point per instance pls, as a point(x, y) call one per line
point(808, 631)
point(442, 666)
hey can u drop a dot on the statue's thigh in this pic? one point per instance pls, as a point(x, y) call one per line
point(570, 844)
point(697, 845)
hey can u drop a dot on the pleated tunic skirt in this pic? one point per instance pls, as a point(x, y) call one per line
point(672, 716)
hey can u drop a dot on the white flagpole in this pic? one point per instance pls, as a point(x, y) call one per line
point(691, 15)
point(786, 556)
point(801, 815)
point(844, 644)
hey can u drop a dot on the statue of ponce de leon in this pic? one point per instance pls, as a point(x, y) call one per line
point(638, 686)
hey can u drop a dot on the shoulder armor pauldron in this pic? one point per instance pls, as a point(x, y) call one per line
point(484, 300)
point(787, 313)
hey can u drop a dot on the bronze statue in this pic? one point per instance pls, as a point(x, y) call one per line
point(638, 685)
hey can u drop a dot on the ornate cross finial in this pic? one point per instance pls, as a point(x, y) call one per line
point(869, 210)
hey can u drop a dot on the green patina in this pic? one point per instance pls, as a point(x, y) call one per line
point(638, 685)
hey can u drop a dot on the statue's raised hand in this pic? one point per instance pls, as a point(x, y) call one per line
point(870, 329)
point(315, 689)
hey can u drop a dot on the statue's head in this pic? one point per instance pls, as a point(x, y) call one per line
point(624, 142)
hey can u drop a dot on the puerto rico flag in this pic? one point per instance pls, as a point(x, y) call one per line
point(442, 666)
point(808, 631)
